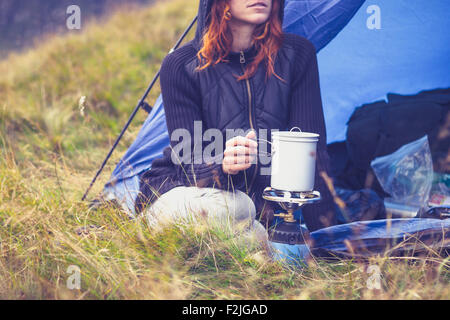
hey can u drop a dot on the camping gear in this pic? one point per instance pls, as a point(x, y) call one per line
point(400, 210)
point(360, 205)
point(380, 128)
point(364, 239)
point(362, 64)
point(436, 213)
point(391, 237)
point(289, 231)
point(291, 183)
point(407, 174)
point(293, 160)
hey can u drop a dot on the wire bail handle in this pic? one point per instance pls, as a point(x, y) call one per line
point(292, 130)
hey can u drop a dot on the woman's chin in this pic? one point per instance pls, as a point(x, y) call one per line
point(259, 18)
point(253, 19)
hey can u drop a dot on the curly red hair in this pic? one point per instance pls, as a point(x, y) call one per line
point(218, 39)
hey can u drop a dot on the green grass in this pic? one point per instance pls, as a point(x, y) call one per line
point(50, 151)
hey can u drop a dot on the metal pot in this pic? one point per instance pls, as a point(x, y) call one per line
point(293, 160)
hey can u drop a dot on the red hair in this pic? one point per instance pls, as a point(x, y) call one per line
point(217, 40)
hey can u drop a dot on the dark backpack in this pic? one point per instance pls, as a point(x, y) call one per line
point(381, 128)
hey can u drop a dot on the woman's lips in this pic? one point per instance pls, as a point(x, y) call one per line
point(258, 5)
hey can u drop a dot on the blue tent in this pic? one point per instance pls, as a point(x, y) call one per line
point(409, 53)
point(365, 51)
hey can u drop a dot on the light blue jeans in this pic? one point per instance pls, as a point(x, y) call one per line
point(233, 211)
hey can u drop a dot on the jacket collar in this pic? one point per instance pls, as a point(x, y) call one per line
point(248, 55)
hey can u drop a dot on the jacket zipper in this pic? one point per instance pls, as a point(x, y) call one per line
point(250, 116)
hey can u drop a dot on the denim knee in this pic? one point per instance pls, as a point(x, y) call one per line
point(244, 206)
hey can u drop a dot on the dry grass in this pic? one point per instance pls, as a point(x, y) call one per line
point(49, 152)
point(45, 228)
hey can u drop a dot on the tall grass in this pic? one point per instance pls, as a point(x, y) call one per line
point(49, 151)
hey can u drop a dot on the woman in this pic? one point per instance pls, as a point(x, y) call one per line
point(240, 72)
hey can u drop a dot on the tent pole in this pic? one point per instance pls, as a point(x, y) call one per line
point(136, 109)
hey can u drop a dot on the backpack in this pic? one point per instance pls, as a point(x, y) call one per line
point(381, 128)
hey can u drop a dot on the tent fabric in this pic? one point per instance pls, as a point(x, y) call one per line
point(318, 21)
point(366, 238)
point(362, 239)
point(150, 142)
point(408, 54)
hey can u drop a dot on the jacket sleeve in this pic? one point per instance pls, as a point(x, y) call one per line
point(307, 113)
point(182, 105)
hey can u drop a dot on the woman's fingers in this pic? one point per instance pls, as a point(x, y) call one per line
point(251, 135)
point(235, 168)
point(234, 164)
point(239, 150)
point(240, 153)
point(239, 160)
point(242, 141)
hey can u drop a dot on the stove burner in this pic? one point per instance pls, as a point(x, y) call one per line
point(289, 233)
point(298, 197)
point(289, 230)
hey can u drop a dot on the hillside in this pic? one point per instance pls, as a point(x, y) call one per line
point(50, 150)
point(110, 63)
point(23, 21)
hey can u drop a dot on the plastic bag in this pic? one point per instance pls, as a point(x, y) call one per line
point(407, 174)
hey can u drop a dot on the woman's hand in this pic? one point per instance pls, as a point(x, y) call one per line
point(240, 153)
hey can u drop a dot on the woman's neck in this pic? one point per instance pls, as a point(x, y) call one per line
point(242, 35)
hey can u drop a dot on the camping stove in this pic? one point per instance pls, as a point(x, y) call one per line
point(289, 230)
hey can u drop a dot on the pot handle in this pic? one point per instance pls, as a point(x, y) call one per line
point(271, 148)
point(299, 130)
